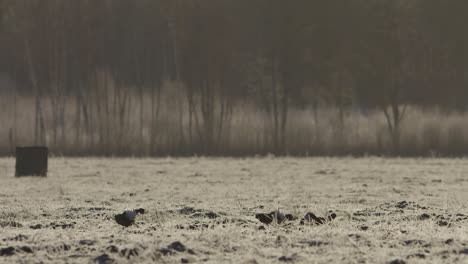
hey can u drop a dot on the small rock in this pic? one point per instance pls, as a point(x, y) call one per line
point(416, 242)
point(87, 242)
point(397, 261)
point(62, 225)
point(7, 252)
point(315, 243)
point(211, 215)
point(250, 261)
point(355, 236)
point(424, 217)
point(26, 249)
point(103, 259)
point(402, 204)
point(36, 226)
point(363, 228)
point(442, 223)
point(187, 260)
point(177, 246)
point(417, 255)
point(287, 258)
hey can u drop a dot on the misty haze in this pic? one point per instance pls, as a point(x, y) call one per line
point(233, 131)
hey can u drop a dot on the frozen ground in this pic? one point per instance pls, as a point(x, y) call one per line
point(400, 210)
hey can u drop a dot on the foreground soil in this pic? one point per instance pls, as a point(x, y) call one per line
point(203, 210)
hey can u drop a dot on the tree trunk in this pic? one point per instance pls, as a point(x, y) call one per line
point(274, 89)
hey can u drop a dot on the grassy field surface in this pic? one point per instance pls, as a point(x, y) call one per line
point(388, 211)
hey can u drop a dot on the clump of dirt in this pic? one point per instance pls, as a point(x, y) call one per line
point(407, 205)
point(315, 243)
point(62, 225)
point(85, 212)
point(10, 251)
point(196, 225)
point(449, 219)
point(60, 248)
point(416, 242)
point(292, 258)
point(406, 211)
point(396, 211)
point(397, 261)
point(389, 209)
point(53, 225)
point(325, 172)
point(7, 251)
point(103, 259)
point(86, 242)
point(200, 224)
point(14, 224)
point(198, 213)
point(174, 248)
point(26, 249)
point(187, 260)
point(417, 256)
point(446, 253)
point(424, 216)
point(363, 228)
point(19, 237)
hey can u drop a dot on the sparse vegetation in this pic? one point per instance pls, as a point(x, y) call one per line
point(204, 210)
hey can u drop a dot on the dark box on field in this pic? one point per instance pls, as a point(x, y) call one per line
point(31, 161)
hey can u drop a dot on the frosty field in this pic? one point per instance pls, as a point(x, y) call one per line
point(388, 211)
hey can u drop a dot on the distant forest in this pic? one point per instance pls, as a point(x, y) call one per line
point(234, 77)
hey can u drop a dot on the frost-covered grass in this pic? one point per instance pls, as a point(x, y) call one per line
point(68, 216)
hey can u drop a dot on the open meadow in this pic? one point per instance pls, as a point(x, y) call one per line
point(204, 210)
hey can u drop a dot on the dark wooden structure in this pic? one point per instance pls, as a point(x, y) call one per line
point(31, 161)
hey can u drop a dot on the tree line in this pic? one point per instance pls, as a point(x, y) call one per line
point(98, 65)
